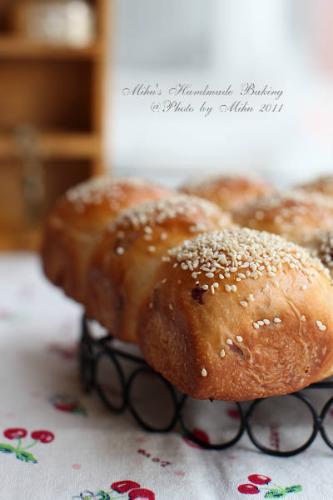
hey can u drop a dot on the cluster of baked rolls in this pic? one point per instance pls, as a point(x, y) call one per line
point(224, 285)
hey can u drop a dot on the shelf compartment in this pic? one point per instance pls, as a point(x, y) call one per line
point(55, 145)
point(19, 48)
point(49, 95)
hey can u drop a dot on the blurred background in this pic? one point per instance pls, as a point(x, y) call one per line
point(64, 115)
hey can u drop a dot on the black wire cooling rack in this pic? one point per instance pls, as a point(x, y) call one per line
point(127, 369)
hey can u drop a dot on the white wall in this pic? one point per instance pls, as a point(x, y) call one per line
point(218, 42)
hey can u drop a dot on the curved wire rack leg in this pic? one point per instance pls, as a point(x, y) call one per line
point(92, 350)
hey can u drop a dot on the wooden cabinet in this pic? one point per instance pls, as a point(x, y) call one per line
point(51, 121)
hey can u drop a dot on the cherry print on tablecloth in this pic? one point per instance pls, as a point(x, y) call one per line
point(68, 404)
point(200, 434)
point(263, 484)
point(20, 448)
point(125, 489)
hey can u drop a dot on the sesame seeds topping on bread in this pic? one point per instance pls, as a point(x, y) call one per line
point(96, 190)
point(228, 191)
point(290, 203)
point(152, 219)
point(226, 179)
point(323, 184)
point(295, 214)
point(240, 254)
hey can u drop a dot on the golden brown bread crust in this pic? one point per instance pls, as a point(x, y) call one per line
point(74, 226)
point(122, 269)
point(294, 215)
point(237, 315)
point(323, 184)
point(227, 191)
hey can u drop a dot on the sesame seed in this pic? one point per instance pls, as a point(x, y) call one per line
point(210, 275)
point(243, 303)
point(151, 248)
point(120, 250)
point(260, 323)
point(321, 325)
point(229, 341)
point(204, 372)
point(222, 353)
point(251, 297)
point(266, 321)
point(303, 318)
point(164, 281)
point(304, 287)
point(255, 325)
point(277, 320)
point(239, 338)
point(171, 307)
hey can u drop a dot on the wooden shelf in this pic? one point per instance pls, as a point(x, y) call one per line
point(56, 145)
point(28, 239)
point(60, 90)
point(18, 48)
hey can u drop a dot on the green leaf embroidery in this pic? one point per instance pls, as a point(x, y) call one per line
point(296, 488)
point(102, 495)
point(25, 456)
point(6, 448)
point(80, 411)
point(276, 493)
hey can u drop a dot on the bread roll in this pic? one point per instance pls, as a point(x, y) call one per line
point(321, 246)
point(122, 270)
point(295, 215)
point(75, 225)
point(227, 191)
point(239, 314)
point(323, 184)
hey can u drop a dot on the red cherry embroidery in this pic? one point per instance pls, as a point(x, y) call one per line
point(15, 433)
point(198, 433)
point(141, 494)
point(124, 486)
point(65, 406)
point(43, 436)
point(259, 479)
point(248, 489)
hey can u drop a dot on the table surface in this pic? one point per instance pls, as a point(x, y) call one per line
point(84, 449)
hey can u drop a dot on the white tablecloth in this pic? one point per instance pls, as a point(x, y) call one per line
point(84, 449)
